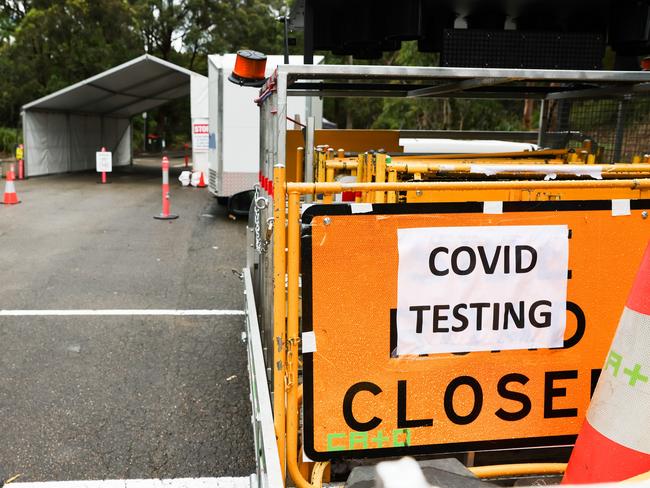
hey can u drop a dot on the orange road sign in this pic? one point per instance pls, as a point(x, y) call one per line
point(363, 399)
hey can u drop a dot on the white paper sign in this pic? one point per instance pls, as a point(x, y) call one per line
point(200, 137)
point(463, 289)
point(621, 207)
point(104, 161)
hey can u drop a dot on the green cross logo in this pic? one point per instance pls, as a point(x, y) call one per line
point(635, 375)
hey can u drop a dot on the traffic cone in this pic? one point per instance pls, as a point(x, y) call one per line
point(614, 442)
point(10, 197)
point(201, 182)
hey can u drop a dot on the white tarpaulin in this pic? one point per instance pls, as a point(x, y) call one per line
point(59, 142)
point(199, 109)
point(63, 130)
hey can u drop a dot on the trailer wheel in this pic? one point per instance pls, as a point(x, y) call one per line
point(240, 203)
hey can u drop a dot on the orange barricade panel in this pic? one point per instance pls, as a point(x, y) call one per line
point(363, 398)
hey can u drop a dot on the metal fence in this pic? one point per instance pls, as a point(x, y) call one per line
point(618, 129)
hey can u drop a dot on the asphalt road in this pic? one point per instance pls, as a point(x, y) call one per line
point(121, 397)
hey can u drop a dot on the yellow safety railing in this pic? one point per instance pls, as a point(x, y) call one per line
point(286, 254)
point(379, 167)
point(279, 313)
point(464, 167)
point(364, 166)
point(514, 470)
point(638, 183)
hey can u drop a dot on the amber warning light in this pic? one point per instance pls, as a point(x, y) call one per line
point(249, 69)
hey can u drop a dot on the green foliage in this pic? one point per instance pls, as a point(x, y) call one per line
point(59, 43)
point(422, 113)
point(46, 45)
point(251, 24)
point(9, 138)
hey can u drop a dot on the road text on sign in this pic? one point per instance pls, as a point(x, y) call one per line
point(104, 161)
point(446, 329)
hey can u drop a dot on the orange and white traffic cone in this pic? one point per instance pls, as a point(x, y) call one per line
point(10, 197)
point(201, 182)
point(614, 442)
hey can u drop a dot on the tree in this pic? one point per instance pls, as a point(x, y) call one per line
point(46, 45)
point(60, 43)
point(423, 113)
point(247, 24)
point(162, 23)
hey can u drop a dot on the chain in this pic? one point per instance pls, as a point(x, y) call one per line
point(260, 204)
point(256, 211)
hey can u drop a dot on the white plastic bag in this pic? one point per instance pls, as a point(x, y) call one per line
point(185, 177)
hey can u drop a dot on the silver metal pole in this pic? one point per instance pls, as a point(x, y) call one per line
point(309, 154)
point(542, 118)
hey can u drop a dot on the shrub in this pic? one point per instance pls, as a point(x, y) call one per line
point(9, 137)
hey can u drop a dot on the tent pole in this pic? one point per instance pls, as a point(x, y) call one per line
point(131, 143)
point(67, 120)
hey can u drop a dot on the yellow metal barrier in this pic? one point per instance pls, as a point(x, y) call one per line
point(329, 177)
point(300, 164)
point(338, 165)
point(369, 166)
point(391, 196)
point(293, 338)
point(380, 168)
point(338, 187)
point(279, 316)
point(504, 167)
point(513, 470)
point(360, 175)
point(380, 176)
point(289, 355)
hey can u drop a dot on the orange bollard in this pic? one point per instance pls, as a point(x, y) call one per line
point(165, 214)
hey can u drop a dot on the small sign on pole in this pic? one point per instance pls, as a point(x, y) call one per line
point(104, 161)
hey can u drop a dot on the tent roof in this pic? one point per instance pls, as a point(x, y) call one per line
point(136, 86)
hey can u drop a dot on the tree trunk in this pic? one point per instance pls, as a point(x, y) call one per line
point(528, 114)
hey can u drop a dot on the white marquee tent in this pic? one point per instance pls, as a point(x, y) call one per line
point(63, 130)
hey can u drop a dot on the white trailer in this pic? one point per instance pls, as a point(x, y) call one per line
point(234, 126)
